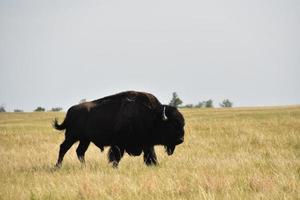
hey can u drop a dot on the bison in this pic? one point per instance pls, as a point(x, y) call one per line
point(132, 122)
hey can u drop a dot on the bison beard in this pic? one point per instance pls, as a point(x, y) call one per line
point(132, 122)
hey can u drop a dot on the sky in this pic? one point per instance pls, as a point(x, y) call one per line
point(55, 53)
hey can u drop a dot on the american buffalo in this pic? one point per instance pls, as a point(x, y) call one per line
point(131, 122)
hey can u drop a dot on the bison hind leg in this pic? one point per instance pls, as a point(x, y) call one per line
point(64, 147)
point(81, 149)
point(115, 154)
point(150, 158)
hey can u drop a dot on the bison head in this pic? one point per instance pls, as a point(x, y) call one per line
point(172, 128)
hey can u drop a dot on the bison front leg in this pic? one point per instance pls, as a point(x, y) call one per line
point(81, 149)
point(115, 154)
point(150, 156)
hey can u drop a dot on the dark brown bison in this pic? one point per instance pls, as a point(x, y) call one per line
point(129, 121)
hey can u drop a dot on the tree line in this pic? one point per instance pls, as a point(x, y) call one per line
point(38, 109)
point(177, 102)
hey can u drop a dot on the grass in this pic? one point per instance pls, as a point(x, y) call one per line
point(245, 153)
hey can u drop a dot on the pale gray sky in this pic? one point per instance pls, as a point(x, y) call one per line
point(54, 53)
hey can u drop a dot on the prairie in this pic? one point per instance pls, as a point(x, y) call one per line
point(240, 153)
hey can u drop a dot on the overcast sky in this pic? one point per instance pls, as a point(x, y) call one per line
point(55, 53)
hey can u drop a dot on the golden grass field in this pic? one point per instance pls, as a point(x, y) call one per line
point(241, 153)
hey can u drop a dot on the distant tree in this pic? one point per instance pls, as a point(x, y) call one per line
point(226, 103)
point(2, 109)
point(18, 110)
point(175, 101)
point(189, 106)
point(200, 104)
point(56, 109)
point(82, 101)
point(209, 104)
point(39, 109)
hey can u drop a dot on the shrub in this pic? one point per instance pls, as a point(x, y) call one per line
point(56, 109)
point(226, 103)
point(2, 109)
point(39, 109)
point(189, 106)
point(200, 104)
point(209, 104)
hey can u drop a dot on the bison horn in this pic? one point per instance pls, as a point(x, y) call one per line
point(164, 117)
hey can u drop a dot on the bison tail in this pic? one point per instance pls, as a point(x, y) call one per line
point(59, 127)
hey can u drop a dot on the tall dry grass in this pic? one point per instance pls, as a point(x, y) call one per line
point(250, 153)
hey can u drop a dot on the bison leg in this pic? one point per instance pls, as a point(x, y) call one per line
point(115, 154)
point(81, 149)
point(64, 147)
point(150, 156)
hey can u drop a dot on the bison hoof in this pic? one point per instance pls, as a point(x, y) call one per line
point(57, 165)
point(81, 159)
point(115, 164)
point(151, 163)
